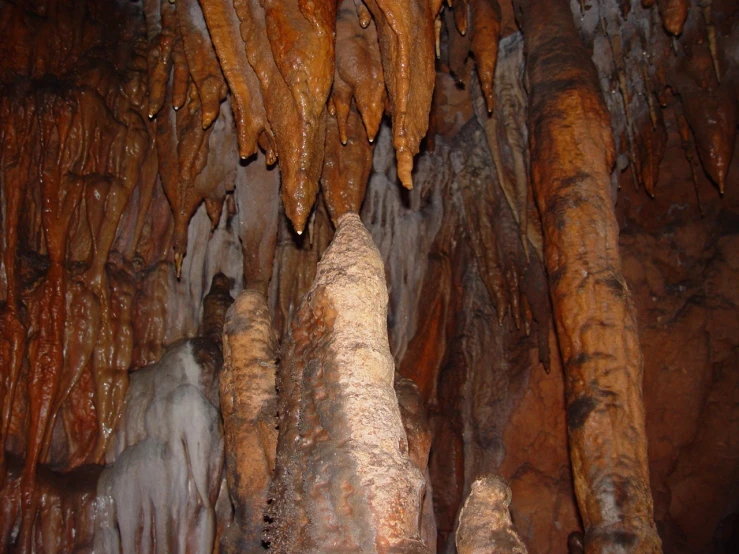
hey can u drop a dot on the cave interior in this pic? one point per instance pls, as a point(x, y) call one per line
point(391, 276)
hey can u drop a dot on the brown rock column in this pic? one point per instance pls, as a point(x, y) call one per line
point(571, 157)
point(248, 405)
point(344, 480)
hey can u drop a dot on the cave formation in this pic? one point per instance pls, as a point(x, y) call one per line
point(369, 276)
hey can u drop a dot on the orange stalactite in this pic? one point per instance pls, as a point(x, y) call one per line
point(485, 15)
point(247, 104)
point(406, 35)
point(346, 167)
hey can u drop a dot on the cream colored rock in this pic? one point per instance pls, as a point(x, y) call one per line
point(344, 480)
point(485, 523)
point(247, 389)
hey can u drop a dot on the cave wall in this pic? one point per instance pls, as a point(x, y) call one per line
point(101, 233)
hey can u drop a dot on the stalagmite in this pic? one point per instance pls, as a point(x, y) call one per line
point(249, 408)
point(215, 306)
point(484, 521)
point(419, 434)
point(343, 479)
point(164, 474)
point(572, 155)
point(128, 129)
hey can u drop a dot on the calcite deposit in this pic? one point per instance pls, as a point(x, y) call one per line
point(484, 521)
point(529, 205)
point(344, 473)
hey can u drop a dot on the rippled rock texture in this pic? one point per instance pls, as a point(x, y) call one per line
point(561, 278)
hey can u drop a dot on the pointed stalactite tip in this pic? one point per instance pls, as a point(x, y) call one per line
point(178, 256)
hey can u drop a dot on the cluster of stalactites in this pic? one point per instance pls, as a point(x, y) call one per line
point(309, 84)
point(666, 54)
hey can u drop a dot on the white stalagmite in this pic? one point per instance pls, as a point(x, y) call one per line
point(485, 523)
point(344, 480)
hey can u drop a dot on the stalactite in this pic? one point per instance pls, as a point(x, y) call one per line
point(64, 509)
point(406, 34)
point(258, 205)
point(711, 36)
point(425, 353)
point(485, 37)
point(16, 137)
point(457, 53)
point(686, 141)
point(201, 59)
point(484, 521)
point(569, 130)
point(302, 36)
point(346, 167)
point(180, 72)
point(511, 99)
point(358, 69)
point(712, 115)
point(494, 236)
point(460, 10)
point(162, 28)
point(333, 456)
point(674, 13)
point(60, 196)
point(246, 101)
point(116, 127)
point(280, 109)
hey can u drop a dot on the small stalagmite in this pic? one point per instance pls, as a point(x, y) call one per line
point(248, 405)
point(484, 521)
point(344, 479)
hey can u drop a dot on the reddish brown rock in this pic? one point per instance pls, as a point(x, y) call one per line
point(594, 315)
